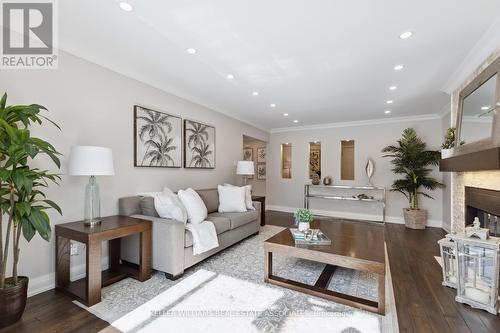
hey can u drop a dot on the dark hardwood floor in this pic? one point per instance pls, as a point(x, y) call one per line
point(422, 304)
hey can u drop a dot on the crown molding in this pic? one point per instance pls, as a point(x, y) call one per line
point(357, 123)
point(486, 45)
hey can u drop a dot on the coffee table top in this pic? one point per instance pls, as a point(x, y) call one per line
point(359, 241)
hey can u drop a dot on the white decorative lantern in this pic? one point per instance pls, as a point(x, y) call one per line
point(478, 269)
point(448, 250)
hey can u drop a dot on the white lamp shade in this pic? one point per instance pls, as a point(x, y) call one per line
point(90, 161)
point(245, 168)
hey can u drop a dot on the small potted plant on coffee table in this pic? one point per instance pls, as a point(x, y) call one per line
point(303, 217)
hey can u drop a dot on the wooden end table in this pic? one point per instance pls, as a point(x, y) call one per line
point(262, 200)
point(112, 228)
point(359, 247)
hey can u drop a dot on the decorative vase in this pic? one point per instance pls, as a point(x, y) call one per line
point(315, 179)
point(13, 301)
point(327, 180)
point(369, 169)
point(415, 218)
point(446, 153)
point(304, 226)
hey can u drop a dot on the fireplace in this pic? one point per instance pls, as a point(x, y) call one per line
point(484, 204)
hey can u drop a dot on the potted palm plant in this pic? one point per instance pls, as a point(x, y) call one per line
point(23, 204)
point(412, 160)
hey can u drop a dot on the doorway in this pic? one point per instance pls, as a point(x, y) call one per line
point(256, 150)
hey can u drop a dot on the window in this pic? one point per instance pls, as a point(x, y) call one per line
point(347, 160)
point(286, 160)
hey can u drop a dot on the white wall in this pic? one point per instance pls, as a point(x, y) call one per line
point(287, 194)
point(94, 106)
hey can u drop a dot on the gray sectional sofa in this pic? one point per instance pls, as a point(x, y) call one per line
point(172, 243)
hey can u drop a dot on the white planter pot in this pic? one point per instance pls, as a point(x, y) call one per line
point(304, 226)
point(446, 153)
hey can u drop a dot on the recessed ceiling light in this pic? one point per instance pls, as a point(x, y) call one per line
point(285, 114)
point(230, 76)
point(393, 88)
point(255, 93)
point(387, 111)
point(272, 105)
point(295, 121)
point(406, 34)
point(389, 101)
point(486, 107)
point(191, 51)
point(126, 6)
point(398, 67)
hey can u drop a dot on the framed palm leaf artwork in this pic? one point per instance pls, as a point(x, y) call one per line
point(157, 139)
point(199, 145)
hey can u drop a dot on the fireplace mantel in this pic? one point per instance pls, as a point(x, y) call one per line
point(484, 160)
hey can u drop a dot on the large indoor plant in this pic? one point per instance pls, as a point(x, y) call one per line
point(23, 203)
point(412, 160)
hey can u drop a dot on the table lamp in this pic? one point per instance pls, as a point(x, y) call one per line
point(91, 161)
point(245, 169)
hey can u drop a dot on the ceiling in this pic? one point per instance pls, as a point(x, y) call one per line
point(320, 61)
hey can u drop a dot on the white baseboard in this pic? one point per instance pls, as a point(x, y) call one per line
point(46, 282)
point(353, 216)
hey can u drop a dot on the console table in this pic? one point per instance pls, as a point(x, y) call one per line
point(112, 228)
point(332, 196)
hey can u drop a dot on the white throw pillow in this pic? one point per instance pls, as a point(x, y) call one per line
point(195, 207)
point(248, 195)
point(231, 199)
point(168, 205)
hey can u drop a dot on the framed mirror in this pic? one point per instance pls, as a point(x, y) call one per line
point(314, 159)
point(478, 118)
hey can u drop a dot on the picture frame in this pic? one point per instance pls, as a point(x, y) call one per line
point(261, 171)
point(199, 145)
point(247, 154)
point(157, 138)
point(261, 155)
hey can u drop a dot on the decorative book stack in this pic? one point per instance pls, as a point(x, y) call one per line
point(309, 237)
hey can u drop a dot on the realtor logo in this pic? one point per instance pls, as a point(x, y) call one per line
point(28, 35)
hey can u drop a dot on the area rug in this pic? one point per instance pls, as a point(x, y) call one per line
point(226, 293)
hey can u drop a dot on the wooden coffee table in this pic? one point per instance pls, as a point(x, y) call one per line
point(355, 246)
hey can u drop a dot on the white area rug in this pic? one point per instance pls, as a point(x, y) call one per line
point(226, 293)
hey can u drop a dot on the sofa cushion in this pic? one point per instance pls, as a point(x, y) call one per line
point(148, 206)
point(211, 199)
point(239, 219)
point(222, 224)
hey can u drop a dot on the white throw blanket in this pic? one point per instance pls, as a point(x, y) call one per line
point(204, 236)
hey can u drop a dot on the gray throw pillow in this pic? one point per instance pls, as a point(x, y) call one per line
point(148, 207)
point(211, 199)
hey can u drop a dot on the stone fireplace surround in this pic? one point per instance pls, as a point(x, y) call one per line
point(459, 180)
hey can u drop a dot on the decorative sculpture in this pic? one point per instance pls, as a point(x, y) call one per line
point(315, 179)
point(370, 169)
